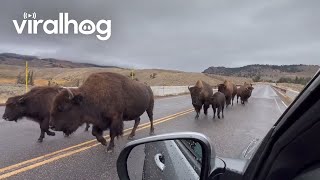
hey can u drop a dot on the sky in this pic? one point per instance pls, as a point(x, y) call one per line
point(172, 34)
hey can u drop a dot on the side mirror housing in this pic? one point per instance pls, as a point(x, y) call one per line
point(162, 152)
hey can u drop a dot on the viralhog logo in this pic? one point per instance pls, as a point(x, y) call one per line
point(61, 26)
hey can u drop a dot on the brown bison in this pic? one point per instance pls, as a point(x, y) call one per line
point(218, 101)
point(104, 100)
point(200, 96)
point(244, 92)
point(229, 90)
point(36, 105)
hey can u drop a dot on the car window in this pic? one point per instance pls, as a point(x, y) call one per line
point(194, 148)
point(81, 79)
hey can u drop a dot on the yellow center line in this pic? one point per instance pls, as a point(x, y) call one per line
point(141, 127)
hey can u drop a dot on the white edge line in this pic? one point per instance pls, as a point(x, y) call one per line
point(284, 104)
point(281, 100)
point(277, 105)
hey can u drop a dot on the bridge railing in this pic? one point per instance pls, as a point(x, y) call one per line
point(167, 90)
point(286, 91)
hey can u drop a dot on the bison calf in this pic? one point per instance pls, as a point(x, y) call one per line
point(35, 104)
point(218, 101)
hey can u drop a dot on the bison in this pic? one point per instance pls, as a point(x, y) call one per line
point(229, 90)
point(200, 96)
point(35, 104)
point(244, 92)
point(218, 101)
point(104, 100)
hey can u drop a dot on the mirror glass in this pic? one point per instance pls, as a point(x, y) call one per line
point(170, 159)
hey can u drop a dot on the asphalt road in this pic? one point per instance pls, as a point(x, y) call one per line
point(76, 157)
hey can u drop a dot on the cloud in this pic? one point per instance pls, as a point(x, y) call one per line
point(174, 34)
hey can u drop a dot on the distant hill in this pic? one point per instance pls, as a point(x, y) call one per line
point(266, 72)
point(34, 61)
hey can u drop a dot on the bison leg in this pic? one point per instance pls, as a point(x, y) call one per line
point(197, 115)
point(87, 127)
point(97, 132)
point(42, 135)
point(205, 108)
point(116, 130)
point(197, 111)
point(228, 99)
point(150, 115)
point(222, 108)
point(237, 99)
point(232, 100)
point(133, 132)
point(214, 112)
point(45, 126)
point(112, 136)
point(50, 133)
point(218, 113)
point(242, 101)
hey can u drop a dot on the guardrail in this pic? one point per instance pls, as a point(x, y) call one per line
point(167, 90)
point(288, 92)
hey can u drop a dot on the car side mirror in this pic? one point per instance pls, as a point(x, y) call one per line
point(185, 155)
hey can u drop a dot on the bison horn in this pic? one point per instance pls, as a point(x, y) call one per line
point(70, 93)
point(189, 87)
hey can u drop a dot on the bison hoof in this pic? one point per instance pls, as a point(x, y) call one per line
point(218, 117)
point(51, 133)
point(110, 148)
point(40, 140)
point(151, 133)
point(130, 137)
point(103, 141)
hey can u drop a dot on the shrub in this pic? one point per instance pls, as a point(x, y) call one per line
point(153, 75)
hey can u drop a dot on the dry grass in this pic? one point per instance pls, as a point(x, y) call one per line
point(70, 76)
point(74, 76)
point(7, 81)
point(295, 87)
point(7, 91)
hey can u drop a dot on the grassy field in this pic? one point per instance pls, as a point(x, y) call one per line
point(71, 77)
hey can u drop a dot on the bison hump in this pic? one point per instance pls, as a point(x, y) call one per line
point(199, 84)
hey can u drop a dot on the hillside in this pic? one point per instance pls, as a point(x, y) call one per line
point(33, 61)
point(266, 72)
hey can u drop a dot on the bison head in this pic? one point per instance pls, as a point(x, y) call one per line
point(15, 108)
point(222, 88)
point(66, 112)
point(250, 89)
point(195, 93)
